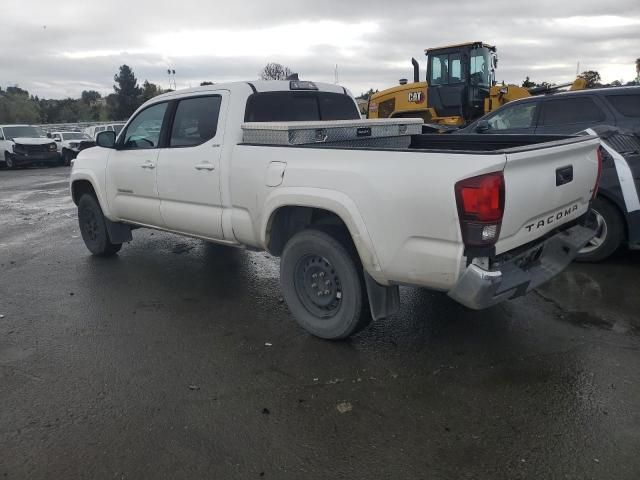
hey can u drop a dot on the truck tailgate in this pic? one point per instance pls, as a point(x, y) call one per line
point(546, 188)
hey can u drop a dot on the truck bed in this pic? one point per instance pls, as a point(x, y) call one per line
point(468, 144)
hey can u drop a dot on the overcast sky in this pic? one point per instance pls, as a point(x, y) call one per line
point(57, 49)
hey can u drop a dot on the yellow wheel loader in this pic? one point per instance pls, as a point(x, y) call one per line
point(460, 87)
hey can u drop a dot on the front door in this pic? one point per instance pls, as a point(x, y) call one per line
point(131, 169)
point(189, 167)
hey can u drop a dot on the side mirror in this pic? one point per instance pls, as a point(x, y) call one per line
point(106, 139)
point(483, 126)
point(1, 137)
point(48, 134)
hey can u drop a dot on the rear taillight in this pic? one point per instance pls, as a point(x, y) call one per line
point(480, 208)
point(595, 188)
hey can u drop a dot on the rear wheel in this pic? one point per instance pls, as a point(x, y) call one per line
point(323, 285)
point(94, 229)
point(609, 226)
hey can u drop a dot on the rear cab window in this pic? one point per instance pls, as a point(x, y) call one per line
point(291, 106)
point(626, 105)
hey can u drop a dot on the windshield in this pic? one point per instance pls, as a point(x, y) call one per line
point(480, 68)
point(22, 132)
point(75, 136)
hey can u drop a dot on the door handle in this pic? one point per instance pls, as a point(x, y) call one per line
point(205, 166)
point(148, 165)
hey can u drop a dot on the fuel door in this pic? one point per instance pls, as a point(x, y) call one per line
point(275, 173)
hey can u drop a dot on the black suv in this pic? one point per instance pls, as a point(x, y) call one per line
point(613, 114)
point(564, 113)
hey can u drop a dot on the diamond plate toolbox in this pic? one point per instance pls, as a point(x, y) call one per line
point(336, 132)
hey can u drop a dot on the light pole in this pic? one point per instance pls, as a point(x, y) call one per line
point(171, 71)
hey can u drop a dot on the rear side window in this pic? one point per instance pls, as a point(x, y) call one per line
point(299, 106)
point(196, 121)
point(564, 111)
point(627, 105)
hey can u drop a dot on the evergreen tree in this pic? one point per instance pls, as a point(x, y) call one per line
point(127, 93)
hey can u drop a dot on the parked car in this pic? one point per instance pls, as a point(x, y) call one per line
point(563, 113)
point(611, 111)
point(70, 144)
point(96, 129)
point(26, 145)
point(350, 219)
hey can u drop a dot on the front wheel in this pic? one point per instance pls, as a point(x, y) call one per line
point(67, 156)
point(323, 285)
point(94, 229)
point(8, 160)
point(609, 226)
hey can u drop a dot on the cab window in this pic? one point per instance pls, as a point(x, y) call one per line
point(195, 121)
point(300, 106)
point(144, 130)
point(439, 70)
point(446, 69)
point(515, 116)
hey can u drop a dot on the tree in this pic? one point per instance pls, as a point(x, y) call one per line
point(90, 97)
point(528, 83)
point(127, 93)
point(367, 94)
point(17, 107)
point(592, 77)
point(203, 84)
point(275, 71)
point(149, 90)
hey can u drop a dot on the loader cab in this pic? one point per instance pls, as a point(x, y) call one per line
point(459, 78)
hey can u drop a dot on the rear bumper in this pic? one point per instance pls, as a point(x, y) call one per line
point(478, 288)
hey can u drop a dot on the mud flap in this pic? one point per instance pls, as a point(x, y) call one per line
point(118, 232)
point(384, 301)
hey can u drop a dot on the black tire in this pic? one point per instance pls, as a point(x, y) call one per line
point(67, 156)
point(610, 235)
point(94, 229)
point(338, 307)
point(8, 161)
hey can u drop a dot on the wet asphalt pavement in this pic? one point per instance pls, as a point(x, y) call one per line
point(178, 359)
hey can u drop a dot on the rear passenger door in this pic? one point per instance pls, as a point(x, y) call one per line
point(571, 115)
point(189, 166)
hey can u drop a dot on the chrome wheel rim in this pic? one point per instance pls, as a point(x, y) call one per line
point(601, 234)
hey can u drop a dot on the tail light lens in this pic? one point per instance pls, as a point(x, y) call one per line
point(480, 208)
point(597, 185)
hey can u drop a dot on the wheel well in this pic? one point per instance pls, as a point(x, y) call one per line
point(620, 211)
point(79, 188)
point(287, 221)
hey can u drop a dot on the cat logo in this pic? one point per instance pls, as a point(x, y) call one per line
point(416, 97)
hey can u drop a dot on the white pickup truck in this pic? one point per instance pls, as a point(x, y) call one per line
point(483, 219)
